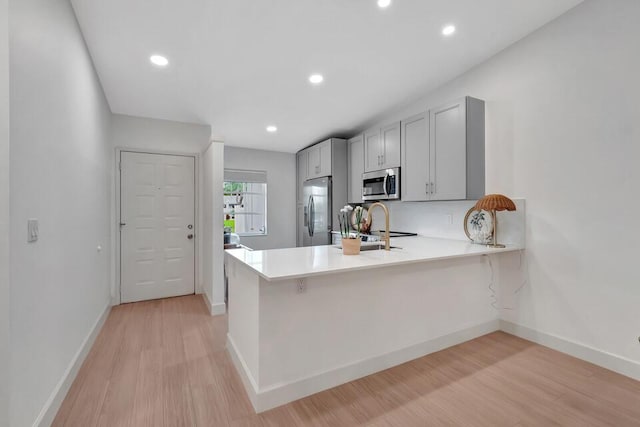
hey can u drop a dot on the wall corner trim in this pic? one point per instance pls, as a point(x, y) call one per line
point(215, 309)
point(51, 407)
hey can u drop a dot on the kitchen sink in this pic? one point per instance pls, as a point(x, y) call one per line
point(376, 247)
point(370, 247)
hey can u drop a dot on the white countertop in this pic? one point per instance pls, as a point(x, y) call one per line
point(280, 264)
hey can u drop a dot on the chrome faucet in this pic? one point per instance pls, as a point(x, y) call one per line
point(387, 241)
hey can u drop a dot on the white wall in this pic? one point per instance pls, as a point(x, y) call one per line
point(212, 218)
point(4, 215)
point(159, 135)
point(281, 194)
point(562, 132)
point(60, 174)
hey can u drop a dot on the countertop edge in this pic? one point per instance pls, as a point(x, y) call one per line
point(486, 251)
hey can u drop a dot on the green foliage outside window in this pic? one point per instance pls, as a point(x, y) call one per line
point(231, 188)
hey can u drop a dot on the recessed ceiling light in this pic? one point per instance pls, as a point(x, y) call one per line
point(159, 60)
point(316, 79)
point(272, 128)
point(448, 30)
point(384, 3)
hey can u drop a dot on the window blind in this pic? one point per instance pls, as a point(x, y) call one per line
point(237, 175)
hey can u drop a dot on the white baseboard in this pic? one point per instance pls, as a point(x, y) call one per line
point(51, 407)
point(250, 384)
point(609, 361)
point(214, 309)
point(271, 397)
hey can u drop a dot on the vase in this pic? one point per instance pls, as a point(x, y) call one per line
point(351, 246)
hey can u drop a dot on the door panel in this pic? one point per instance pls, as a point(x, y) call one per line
point(448, 170)
point(318, 195)
point(325, 158)
point(313, 170)
point(390, 146)
point(157, 206)
point(356, 168)
point(415, 158)
point(372, 151)
point(302, 173)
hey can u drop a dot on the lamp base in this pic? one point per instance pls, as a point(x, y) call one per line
point(496, 245)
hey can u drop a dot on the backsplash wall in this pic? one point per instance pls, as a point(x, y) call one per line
point(431, 219)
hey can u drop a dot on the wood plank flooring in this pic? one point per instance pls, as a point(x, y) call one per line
point(164, 363)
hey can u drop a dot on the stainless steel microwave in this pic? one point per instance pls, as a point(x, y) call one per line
point(381, 185)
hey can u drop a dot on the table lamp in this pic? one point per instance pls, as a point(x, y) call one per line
point(493, 203)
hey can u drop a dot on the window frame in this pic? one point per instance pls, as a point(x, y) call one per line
point(265, 195)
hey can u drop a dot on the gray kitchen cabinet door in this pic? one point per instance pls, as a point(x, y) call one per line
point(372, 151)
point(313, 162)
point(448, 151)
point(414, 168)
point(319, 160)
point(356, 168)
point(390, 146)
point(301, 167)
point(325, 158)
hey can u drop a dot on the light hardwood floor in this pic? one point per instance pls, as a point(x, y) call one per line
point(164, 363)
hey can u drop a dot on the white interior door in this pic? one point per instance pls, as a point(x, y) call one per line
point(157, 231)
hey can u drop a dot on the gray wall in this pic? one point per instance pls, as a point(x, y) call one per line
point(4, 215)
point(281, 193)
point(61, 160)
point(563, 133)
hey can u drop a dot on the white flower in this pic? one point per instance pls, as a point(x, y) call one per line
point(343, 210)
point(348, 208)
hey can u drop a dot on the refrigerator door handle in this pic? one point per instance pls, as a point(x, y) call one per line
point(384, 184)
point(309, 219)
point(306, 216)
point(313, 217)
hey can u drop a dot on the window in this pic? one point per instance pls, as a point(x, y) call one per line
point(245, 202)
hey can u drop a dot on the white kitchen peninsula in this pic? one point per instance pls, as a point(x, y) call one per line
point(302, 320)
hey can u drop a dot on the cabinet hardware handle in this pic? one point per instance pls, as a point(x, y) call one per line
point(426, 187)
point(432, 188)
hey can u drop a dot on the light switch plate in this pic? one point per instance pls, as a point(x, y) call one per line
point(32, 230)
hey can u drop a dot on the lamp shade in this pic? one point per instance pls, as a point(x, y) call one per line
point(495, 202)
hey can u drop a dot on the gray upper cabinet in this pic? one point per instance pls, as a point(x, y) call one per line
point(414, 171)
point(382, 147)
point(443, 157)
point(356, 168)
point(301, 167)
point(372, 150)
point(319, 160)
point(390, 145)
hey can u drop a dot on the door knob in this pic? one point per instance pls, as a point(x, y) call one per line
point(190, 236)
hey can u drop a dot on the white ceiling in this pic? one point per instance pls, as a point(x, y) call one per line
point(240, 65)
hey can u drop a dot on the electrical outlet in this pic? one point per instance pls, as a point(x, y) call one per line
point(302, 287)
point(449, 219)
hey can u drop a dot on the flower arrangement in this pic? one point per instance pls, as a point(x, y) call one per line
point(345, 221)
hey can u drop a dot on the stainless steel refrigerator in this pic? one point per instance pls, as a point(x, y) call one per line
point(317, 216)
